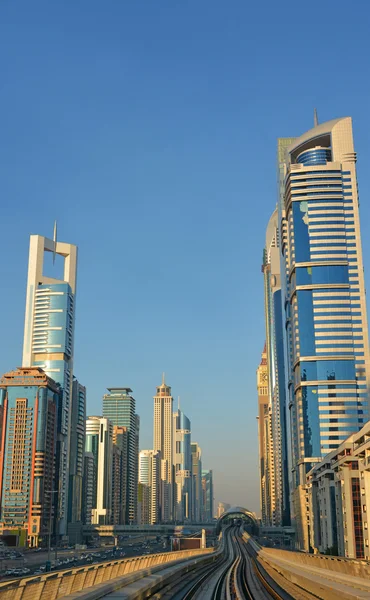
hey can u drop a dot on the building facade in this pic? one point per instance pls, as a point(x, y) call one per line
point(149, 487)
point(119, 475)
point(207, 493)
point(265, 444)
point(182, 464)
point(338, 499)
point(49, 341)
point(163, 443)
point(275, 354)
point(28, 421)
point(99, 441)
point(76, 453)
point(88, 488)
point(325, 308)
point(119, 407)
point(196, 474)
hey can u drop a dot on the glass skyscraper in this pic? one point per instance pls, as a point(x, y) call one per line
point(326, 331)
point(182, 463)
point(49, 340)
point(119, 408)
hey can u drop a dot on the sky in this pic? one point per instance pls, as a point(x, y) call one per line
point(148, 129)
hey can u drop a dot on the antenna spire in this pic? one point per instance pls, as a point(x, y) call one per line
point(315, 118)
point(163, 381)
point(55, 241)
point(178, 402)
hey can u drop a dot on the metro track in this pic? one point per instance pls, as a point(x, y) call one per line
point(236, 575)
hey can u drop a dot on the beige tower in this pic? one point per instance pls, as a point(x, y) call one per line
point(163, 443)
point(266, 465)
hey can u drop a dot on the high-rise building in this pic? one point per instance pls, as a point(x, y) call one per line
point(88, 488)
point(99, 441)
point(48, 342)
point(149, 487)
point(207, 492)
point(265, 452)
point(182, 464)
point(76, 458)
point(163, 443)
point(119, 475)
point(196, 473)
point(222, 508)
point(28, 423)
point(324, 296)
point(280, 509)
point(119, 408)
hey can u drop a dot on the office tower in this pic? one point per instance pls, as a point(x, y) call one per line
point(182, 463)
point(149, 487)
point(163, 443)
point(28, 421)
point(119, 408)
point(119, 475)
point(207, 496)
point(266, 463)
point(48, 342)
point(76, 460)
point(222, 508)
point(326, 318)
point(88, 488)
point(196, 492)
point(280, 510)
point(99, 441)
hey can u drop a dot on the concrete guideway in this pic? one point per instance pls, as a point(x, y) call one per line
point(316, 577)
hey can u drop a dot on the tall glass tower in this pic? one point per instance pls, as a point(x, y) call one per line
point(182, 463)
point(119, 408)
point(326, 319)
point(49, 340)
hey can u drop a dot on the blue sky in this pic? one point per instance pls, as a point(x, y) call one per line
point(148, 130)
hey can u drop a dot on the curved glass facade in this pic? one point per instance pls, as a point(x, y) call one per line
point(316, 156)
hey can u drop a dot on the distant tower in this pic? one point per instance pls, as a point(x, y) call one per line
point(163, 443)
point(264, 440)
point(119, 407)
point(182, 463)
point(49, 339)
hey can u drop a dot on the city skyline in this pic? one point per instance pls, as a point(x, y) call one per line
point(133, 131)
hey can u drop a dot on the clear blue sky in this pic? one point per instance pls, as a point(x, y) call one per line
point(148, 129)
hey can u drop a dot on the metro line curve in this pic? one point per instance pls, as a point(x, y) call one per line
point(235, 576)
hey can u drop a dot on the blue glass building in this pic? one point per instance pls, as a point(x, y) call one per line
point(326, 331)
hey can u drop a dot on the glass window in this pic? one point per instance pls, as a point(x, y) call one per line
point(301, 236)
point(322, 274)
point(306, 323)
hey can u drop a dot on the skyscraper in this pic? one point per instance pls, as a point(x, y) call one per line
point(49, 339)
point(207, 501)
point(182, 463)
point(149, 487)
point(119, 408)
point(265, 452)
point(76, 458)
point(99, 441)
point(119, 476)
point(280, 514)
point(88, 488)
point(28, 422)
point(163, 443)
point(196, 492)
point(326, 319)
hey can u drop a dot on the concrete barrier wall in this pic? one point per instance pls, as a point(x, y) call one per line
point(62, 583)
point(349, 566)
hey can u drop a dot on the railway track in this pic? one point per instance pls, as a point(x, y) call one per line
point(236, 575)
